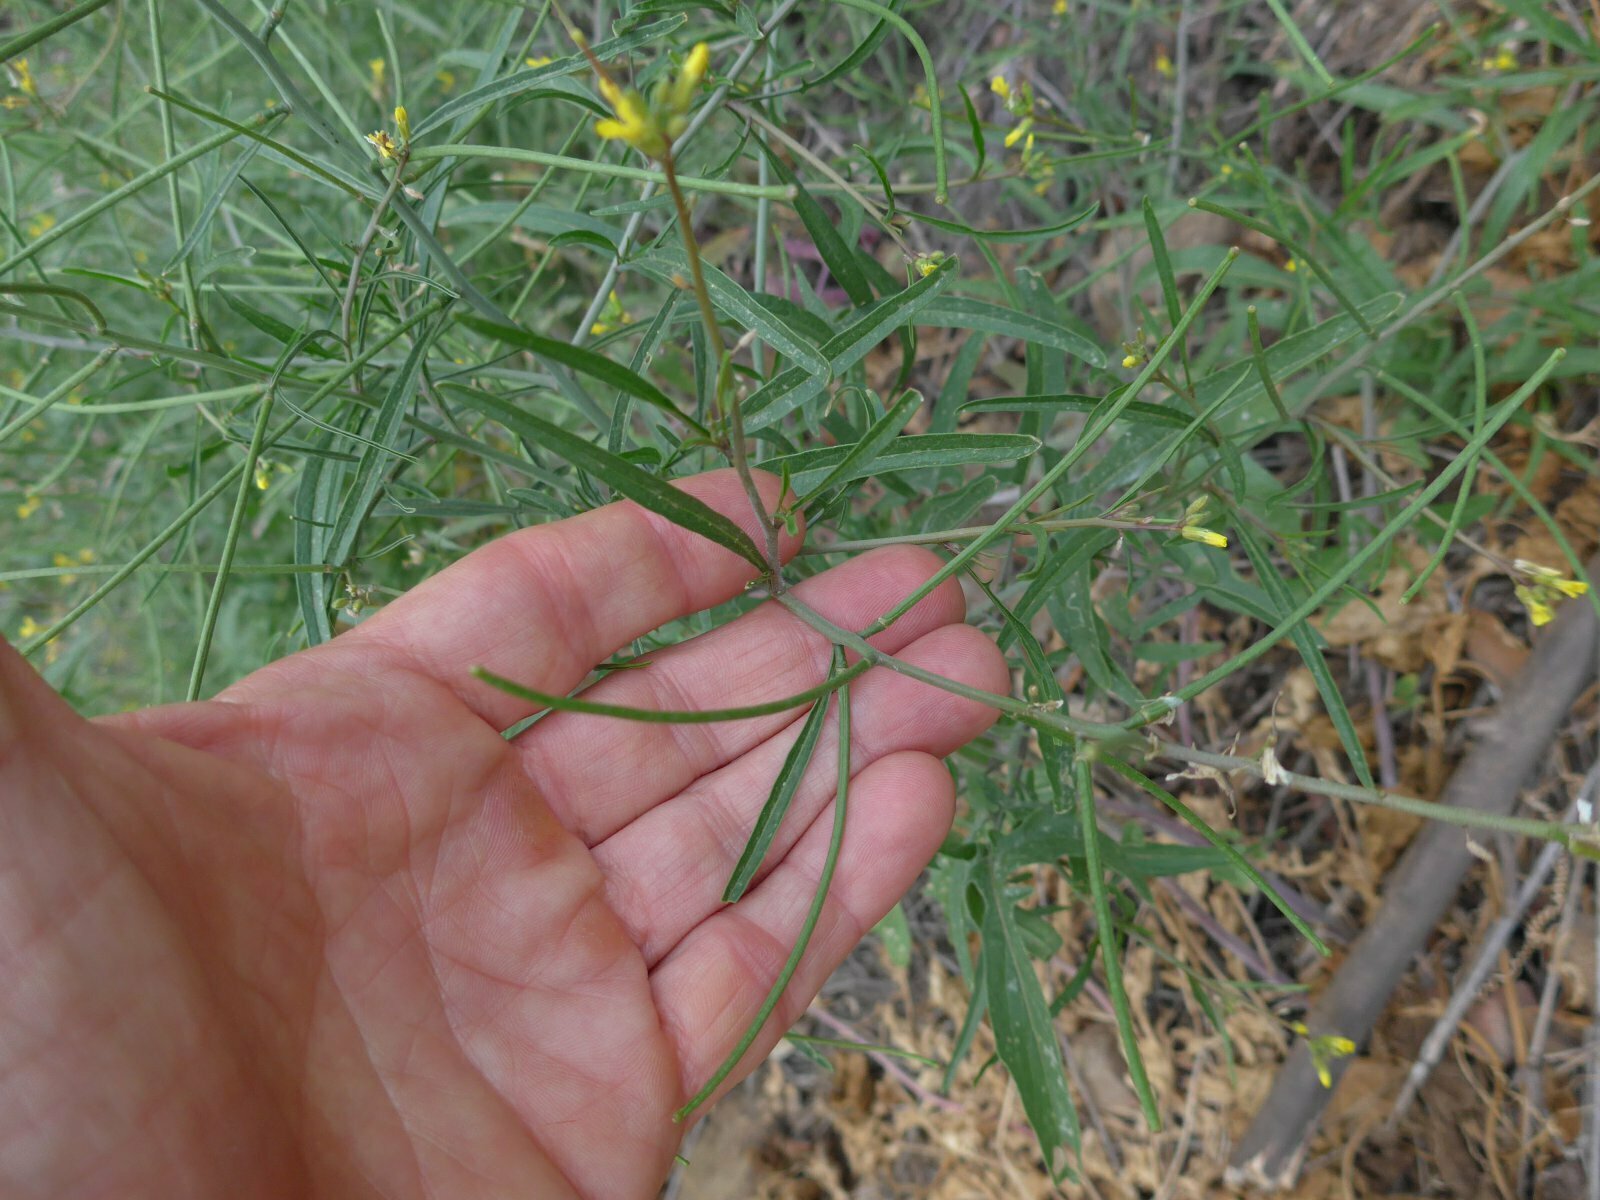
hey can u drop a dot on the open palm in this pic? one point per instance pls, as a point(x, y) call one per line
point(332, 934)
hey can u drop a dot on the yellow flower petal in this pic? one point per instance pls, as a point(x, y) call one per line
point(1209, 537)
point(1000, 87)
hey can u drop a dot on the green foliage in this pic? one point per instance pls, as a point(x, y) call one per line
point(220, 286)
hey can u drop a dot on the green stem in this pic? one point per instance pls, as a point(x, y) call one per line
point(727, 394)
point(1106, 939)
point(818, 900)
point(230, 544)
point(694, 716)
point(32, 37)
point(1049, 720)
point(169, 147)
point(592, 167)
point(938, 537)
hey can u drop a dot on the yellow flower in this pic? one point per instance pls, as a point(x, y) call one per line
point(64, 560)
point(86, 555)
point(29, 628)
point(402, 122)
point(383, 143)
point(1324, 1049)
point(1164, 65)
point(611, 316)
point(1130, 360)
point(22, 77)
point(633, 123)
point(1019, 132)
point(650, 127)
point(41, 225)
point(1291, 266)
point(542, 60)
point(377, 67)
point(1059, 8)
point(1505, 60)
point(1000, 87)
point(263, 476)
point(927, 264)
point(13, 102)
point(1539, 611)
point(28, 507)
point(447, 80)
point(694, 70)
point(1225, 170)
point(1209, 537)
point(1549, 577)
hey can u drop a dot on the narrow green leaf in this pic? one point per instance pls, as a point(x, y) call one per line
point(857, 462)
point(521, 81)
point(963, 312)
point(1283, 358)
point(979, 145)
point(1305, 641)
point(1024, 1034)
point(638, 485)
point(1136, 411)
point(793, 387)
point(809, 468)
point(1106, 935)
point(824, 231)
point(585, 362)
point(731, 298)
point(818, 899)
point(379, 449)
point(1004, 235)
point(696, 716)
point(784, 786)
point(1235, 859)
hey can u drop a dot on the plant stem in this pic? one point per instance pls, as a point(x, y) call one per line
point(727, 395)
point(1050, 720)
point(966, 533)
point(347, 304)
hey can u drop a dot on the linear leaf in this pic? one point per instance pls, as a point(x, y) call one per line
point(1106, 935)
point(379, 449)
point(793, 387)
point(808, 468)
point(778, 800)
point(1305, 641)
point(1024, 1034)
point(638, 485)
point(522, 81)
point(731, 298)
point(585, 362)
point(884, 430)
point(963, 312)
point(824, 231)
point(1004, 235)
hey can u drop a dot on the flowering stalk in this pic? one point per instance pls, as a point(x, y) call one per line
point(650, 127)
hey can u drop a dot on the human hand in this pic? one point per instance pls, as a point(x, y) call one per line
point(331, 934)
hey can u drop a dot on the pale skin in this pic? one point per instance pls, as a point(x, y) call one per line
point(330, 934)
